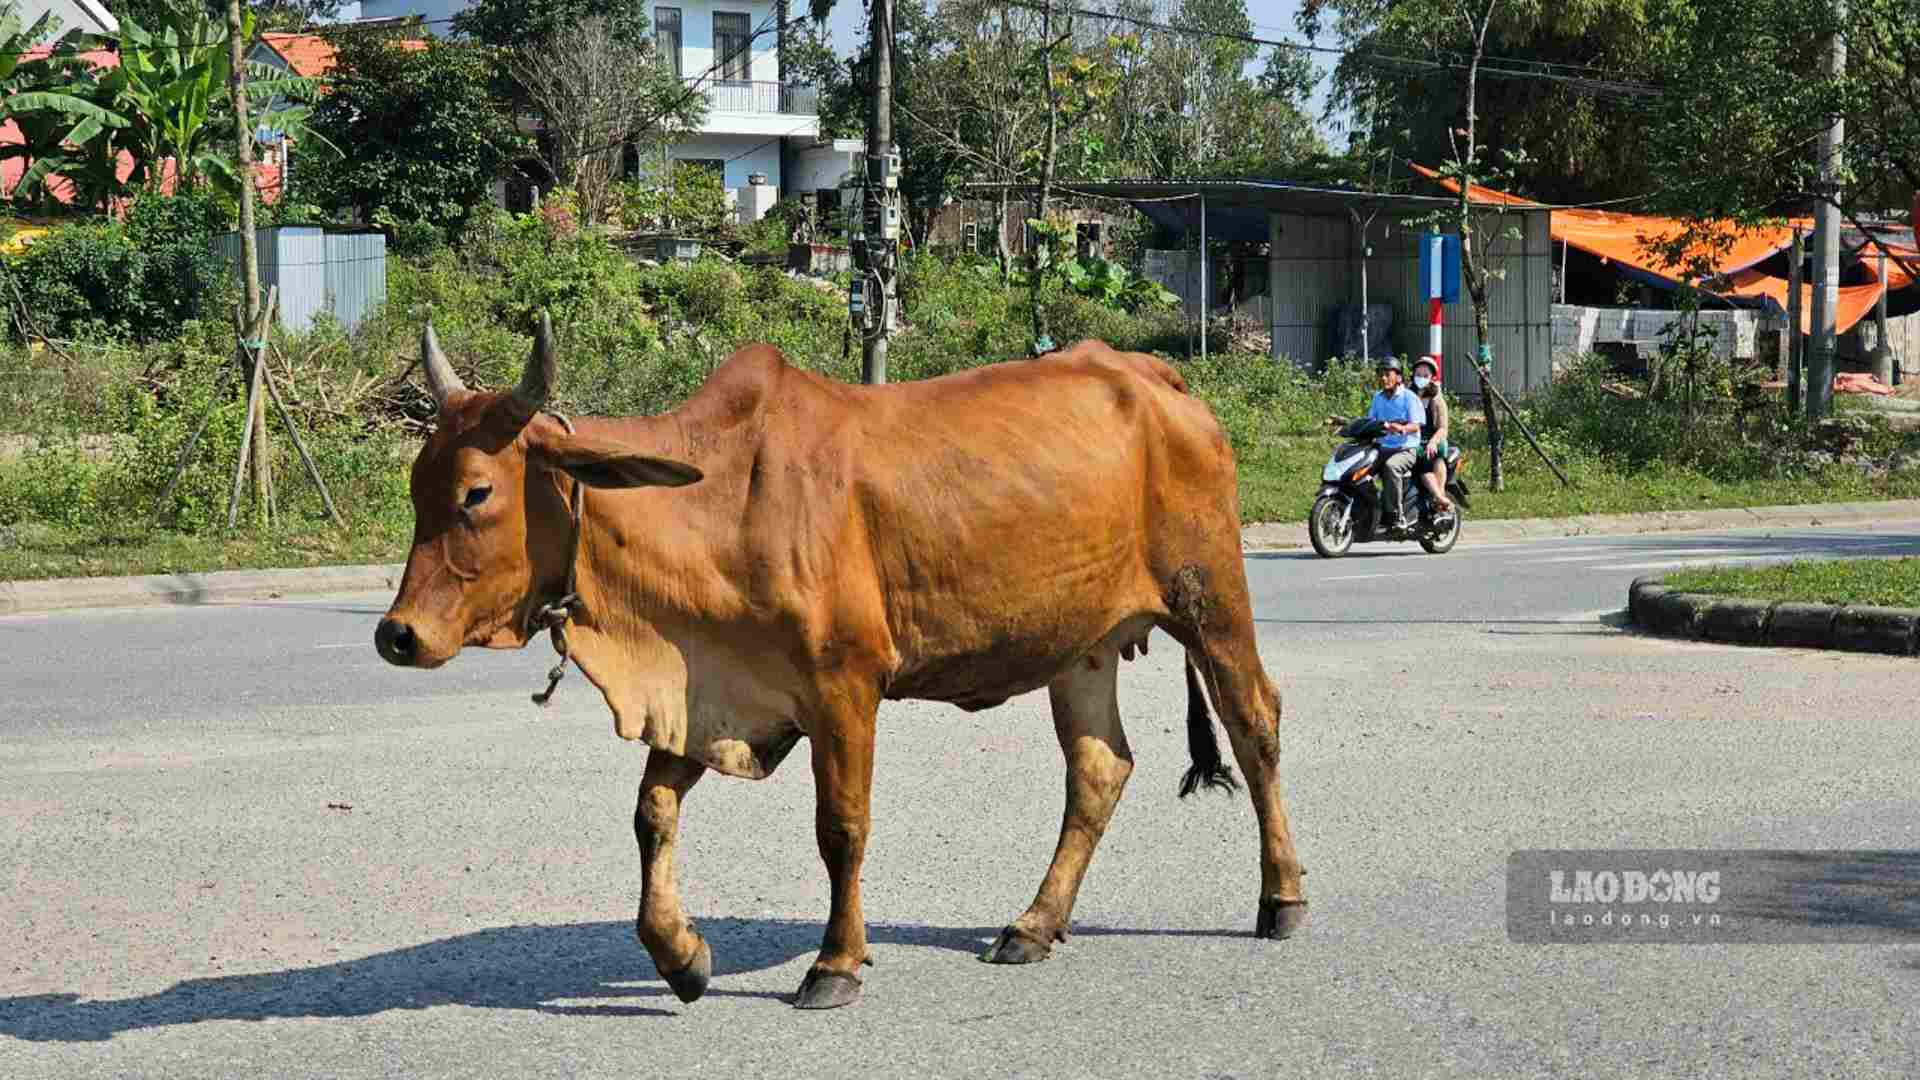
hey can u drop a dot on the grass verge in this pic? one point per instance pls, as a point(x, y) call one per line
point(1878, 582)
point(45, 551)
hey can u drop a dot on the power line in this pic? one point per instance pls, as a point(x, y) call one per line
point(1490, 67)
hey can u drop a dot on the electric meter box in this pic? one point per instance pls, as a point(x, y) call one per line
point(884, 171)
point(856, 296)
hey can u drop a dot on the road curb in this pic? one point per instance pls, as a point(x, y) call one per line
point(1272, 536)
point(220, 586)
point(1782, 623)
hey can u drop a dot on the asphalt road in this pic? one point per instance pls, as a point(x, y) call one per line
point(237, 844)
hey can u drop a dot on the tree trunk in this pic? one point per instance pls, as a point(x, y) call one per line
point(1000, 245)
point(1047, 160)
point(249, 252)
point(1476, 283)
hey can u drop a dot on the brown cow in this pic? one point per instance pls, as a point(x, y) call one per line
point(772, 558)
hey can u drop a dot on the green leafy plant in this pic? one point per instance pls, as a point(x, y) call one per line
point(49, 100)
point(1112, 284)
point(170, 90)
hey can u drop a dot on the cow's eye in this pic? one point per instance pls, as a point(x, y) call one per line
point(477, 495)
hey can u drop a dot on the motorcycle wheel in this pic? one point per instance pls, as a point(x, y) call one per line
point(1441, 543)
point(1323, 527)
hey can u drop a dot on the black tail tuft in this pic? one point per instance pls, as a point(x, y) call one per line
point(1207, 769)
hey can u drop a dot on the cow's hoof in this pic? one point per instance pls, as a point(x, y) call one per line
point(1017, 946)
point(691, 981)
point(1280, 918)
point(826, 990)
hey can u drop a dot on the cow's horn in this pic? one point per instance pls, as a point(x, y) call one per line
point(537, 381)
point(441, 379)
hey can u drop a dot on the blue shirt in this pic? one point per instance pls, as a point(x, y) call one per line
point(1403, 407)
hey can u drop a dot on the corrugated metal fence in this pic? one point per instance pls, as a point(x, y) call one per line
point(340, 273)
point(1314, 270)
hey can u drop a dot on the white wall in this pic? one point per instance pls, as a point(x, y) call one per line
point(91, 16)
point(824, 166)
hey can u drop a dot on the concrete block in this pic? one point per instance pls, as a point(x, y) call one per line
point(1641, 596)
point(1876, 629)
point(1802, 626)
point(1678, 614)
point(1743, 622)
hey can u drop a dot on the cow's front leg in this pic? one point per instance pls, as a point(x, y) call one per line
point(680, 955)
point(843, 782)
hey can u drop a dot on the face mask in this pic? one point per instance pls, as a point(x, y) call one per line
point(1421, 382)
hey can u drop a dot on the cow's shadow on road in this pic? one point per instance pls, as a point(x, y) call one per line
point(579, 969)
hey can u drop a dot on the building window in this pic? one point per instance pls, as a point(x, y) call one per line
point(732, 46)
point(666, 34)
point(969, 236)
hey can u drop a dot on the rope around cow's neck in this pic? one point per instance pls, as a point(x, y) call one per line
point(553, 616)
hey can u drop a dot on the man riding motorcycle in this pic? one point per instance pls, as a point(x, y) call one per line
point(1405, 418)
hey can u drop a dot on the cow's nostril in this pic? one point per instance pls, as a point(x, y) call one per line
point(395, 641)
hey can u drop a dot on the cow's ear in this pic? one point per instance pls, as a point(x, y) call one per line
point(611, 465)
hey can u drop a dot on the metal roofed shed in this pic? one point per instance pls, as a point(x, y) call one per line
point(1313, 261)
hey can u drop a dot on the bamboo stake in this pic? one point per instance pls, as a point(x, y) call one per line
point(253, 404)
point(1511, 411)
point(305, 459)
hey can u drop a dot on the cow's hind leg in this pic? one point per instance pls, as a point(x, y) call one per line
point(680, 955)
point(842, 743)
point(1086, 717)
point(1249, 707)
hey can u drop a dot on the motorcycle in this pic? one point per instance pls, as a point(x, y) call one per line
point(1353, 494)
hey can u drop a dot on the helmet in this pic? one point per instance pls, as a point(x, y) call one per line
point(1387, 363)
point(1431, 361)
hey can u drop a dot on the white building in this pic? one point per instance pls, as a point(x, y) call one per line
point(759, 126)
point(88, 16)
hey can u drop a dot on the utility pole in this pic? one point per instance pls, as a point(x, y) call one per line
point(1826, 247)
point(876, 246)
point(250, 358)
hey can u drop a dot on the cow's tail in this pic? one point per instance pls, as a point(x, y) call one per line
point(1202, 748)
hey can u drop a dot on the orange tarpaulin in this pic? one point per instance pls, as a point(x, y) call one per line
point(1616, 237)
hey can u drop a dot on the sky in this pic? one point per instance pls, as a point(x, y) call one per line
point(1270, 18)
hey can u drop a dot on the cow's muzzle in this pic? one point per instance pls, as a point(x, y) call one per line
point(397, 642)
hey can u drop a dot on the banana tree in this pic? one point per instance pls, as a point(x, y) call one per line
point(171, 88)
point(50, 100)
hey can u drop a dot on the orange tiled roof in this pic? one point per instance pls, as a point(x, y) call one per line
point(311, 55)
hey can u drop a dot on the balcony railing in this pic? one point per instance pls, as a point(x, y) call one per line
point(793, 99)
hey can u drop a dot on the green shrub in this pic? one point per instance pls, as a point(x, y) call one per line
point(182, 276)
point(56, 483)
point(139, 280)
